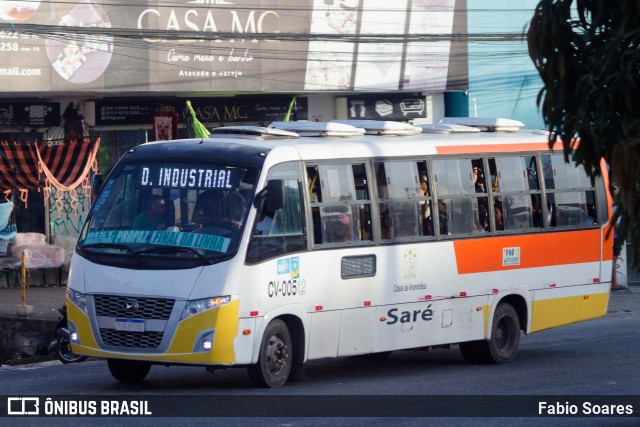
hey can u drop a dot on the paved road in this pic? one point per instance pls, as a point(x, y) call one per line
point(597, 358)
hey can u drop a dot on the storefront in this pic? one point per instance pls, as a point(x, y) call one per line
point(238, 62)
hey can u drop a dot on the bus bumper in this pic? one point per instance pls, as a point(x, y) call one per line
point(188, 345)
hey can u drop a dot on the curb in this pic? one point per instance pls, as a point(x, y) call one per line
point(29, 360)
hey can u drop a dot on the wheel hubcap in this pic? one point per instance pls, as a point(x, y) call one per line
point(277, 354)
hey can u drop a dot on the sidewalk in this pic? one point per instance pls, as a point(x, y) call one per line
point(46, 300)
point(25, 339)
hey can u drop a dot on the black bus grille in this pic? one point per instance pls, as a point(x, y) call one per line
point(131, 339)
point(148, 308)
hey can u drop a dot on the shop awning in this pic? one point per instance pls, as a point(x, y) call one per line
point(27, 165)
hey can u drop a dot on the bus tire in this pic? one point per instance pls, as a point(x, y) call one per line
point(275, 359)
point(128, 371)
point(503, 344)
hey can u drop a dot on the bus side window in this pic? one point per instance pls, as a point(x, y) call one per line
point(282, 231)
point(570, 194)
point(462, 196)
point(516, 189)
point(340, 201)
point(403, 192)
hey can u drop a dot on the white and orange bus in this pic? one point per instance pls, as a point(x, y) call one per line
point(269, 247)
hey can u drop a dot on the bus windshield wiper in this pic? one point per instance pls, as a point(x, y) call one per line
point(108, 246)
point(167, 250)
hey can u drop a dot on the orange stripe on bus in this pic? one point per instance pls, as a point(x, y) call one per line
point(492, 148)
point(535, 250)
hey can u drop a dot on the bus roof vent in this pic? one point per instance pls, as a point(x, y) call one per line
point(382, 127)
point(485, 124)
point(447, 128)
point(253, 132)
point(318, 128)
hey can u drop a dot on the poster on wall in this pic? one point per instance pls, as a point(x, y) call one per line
point(232, 45)
point(165, 126)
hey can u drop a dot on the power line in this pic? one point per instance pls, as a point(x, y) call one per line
point(135, 34)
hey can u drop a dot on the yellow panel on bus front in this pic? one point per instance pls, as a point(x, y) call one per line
point(181, 350)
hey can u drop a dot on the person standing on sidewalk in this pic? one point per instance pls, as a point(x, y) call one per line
point(617, 246)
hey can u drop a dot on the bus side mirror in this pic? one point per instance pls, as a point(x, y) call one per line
point(272, 195)
point(96, 184)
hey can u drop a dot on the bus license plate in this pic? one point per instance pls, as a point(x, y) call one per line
point(130, 325)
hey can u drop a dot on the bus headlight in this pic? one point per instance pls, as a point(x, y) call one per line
point(78, 299)
point(200, 305)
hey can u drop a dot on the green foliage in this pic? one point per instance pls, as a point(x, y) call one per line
point(200, 130)
point(292, 104)
point(587, 53)
point(104, 159)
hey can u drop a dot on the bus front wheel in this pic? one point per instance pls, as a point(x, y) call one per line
point(128, 371)
point(503, 344)
point(275, 359)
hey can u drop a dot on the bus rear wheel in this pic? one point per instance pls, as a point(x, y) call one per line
point(503, 344)
point(275, 359)
point(128, 371)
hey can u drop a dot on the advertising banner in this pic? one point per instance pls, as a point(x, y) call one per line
point(265, 108)
point(192, 46)
point(386, 107)
point(36, 113)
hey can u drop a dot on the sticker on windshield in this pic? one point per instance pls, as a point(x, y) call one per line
point(159, 237)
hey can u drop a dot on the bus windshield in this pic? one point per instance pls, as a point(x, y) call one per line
point(170, 210)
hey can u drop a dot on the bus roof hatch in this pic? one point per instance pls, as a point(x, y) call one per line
point(382, 127)
point(253, 132)
point(485, 124)
point(318, 128)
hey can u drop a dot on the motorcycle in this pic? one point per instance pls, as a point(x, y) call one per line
point(61, 345)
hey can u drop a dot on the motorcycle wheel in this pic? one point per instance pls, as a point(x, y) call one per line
point(64, 353)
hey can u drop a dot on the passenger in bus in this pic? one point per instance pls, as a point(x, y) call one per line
point(423, 185)
point(497, 211)
point(465, 221)
point(386, 220)
point(153, 218)
point(478, 180)
point(425, 207)
point(424, 192)
point(340, 232)
point(442, 220)
point(483, 203)
point(208, 208)
point(219, 209)
point(264, 226)
point(536, 211)
point(233, 209)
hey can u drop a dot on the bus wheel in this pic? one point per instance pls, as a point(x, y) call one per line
point(128, 371)
point(275, 359)
point(504, 341)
